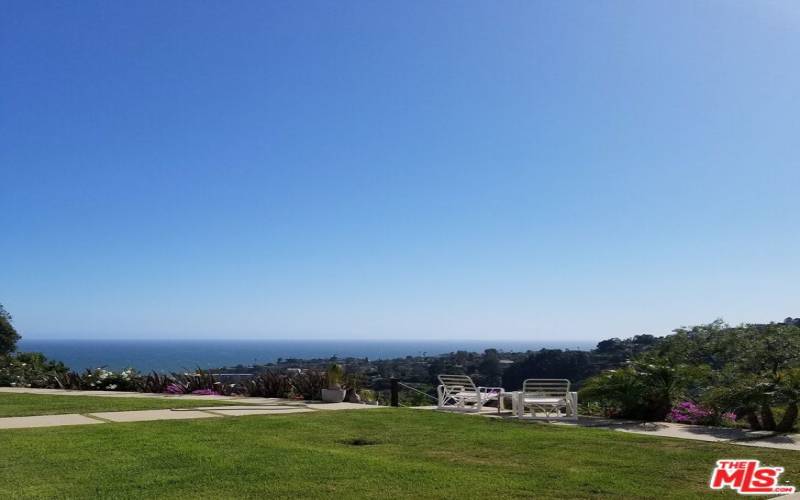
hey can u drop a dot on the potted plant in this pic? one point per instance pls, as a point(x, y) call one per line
point(334, 393)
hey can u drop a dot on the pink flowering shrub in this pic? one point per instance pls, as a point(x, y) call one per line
point(689, 412)
point(729, 418)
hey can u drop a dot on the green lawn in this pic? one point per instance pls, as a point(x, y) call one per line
point(416, 454)
point(20, 405)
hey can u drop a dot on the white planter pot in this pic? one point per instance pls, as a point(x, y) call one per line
point(333, 395)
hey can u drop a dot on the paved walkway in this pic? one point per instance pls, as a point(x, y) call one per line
point(254, 406)
point(761, 439)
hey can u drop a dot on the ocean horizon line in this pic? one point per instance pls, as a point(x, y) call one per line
point(179, 354)
point(29, 338)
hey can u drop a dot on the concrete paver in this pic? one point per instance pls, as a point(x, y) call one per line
point(46, 421)
point(267, 401)
point(245, 406)
point(340, 406)
point(263, 410)
point(241, 407)
point(149, 415)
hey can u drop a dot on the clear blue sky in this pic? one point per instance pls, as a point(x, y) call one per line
point(439, 170)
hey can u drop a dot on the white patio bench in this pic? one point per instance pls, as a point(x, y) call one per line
point(459, 393)
point(545, 399)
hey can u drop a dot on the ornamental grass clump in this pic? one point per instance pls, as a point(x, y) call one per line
point(308, 384)
point(269, 385)
point(206, 380)
point(155, 382)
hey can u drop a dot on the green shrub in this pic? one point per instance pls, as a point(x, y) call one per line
point(646, 389)
point(100, 379)
point(8, 335)
point(29, 369)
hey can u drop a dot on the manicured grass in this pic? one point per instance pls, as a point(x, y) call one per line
point(20, 405)
point(415, 454)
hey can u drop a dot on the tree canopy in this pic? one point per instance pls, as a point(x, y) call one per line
point(749, 370)
point(8, 335)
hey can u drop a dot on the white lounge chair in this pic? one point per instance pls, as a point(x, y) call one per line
point(459, 392)
point(546, 399)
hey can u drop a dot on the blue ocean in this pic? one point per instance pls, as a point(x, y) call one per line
point(183, 355)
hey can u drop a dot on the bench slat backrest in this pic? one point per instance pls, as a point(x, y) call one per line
point(547, 387)
point(462, 381)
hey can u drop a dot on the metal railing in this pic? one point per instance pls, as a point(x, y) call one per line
point(395, 385)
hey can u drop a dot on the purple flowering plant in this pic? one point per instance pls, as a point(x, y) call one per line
point(689, 412)
point(174, 389)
